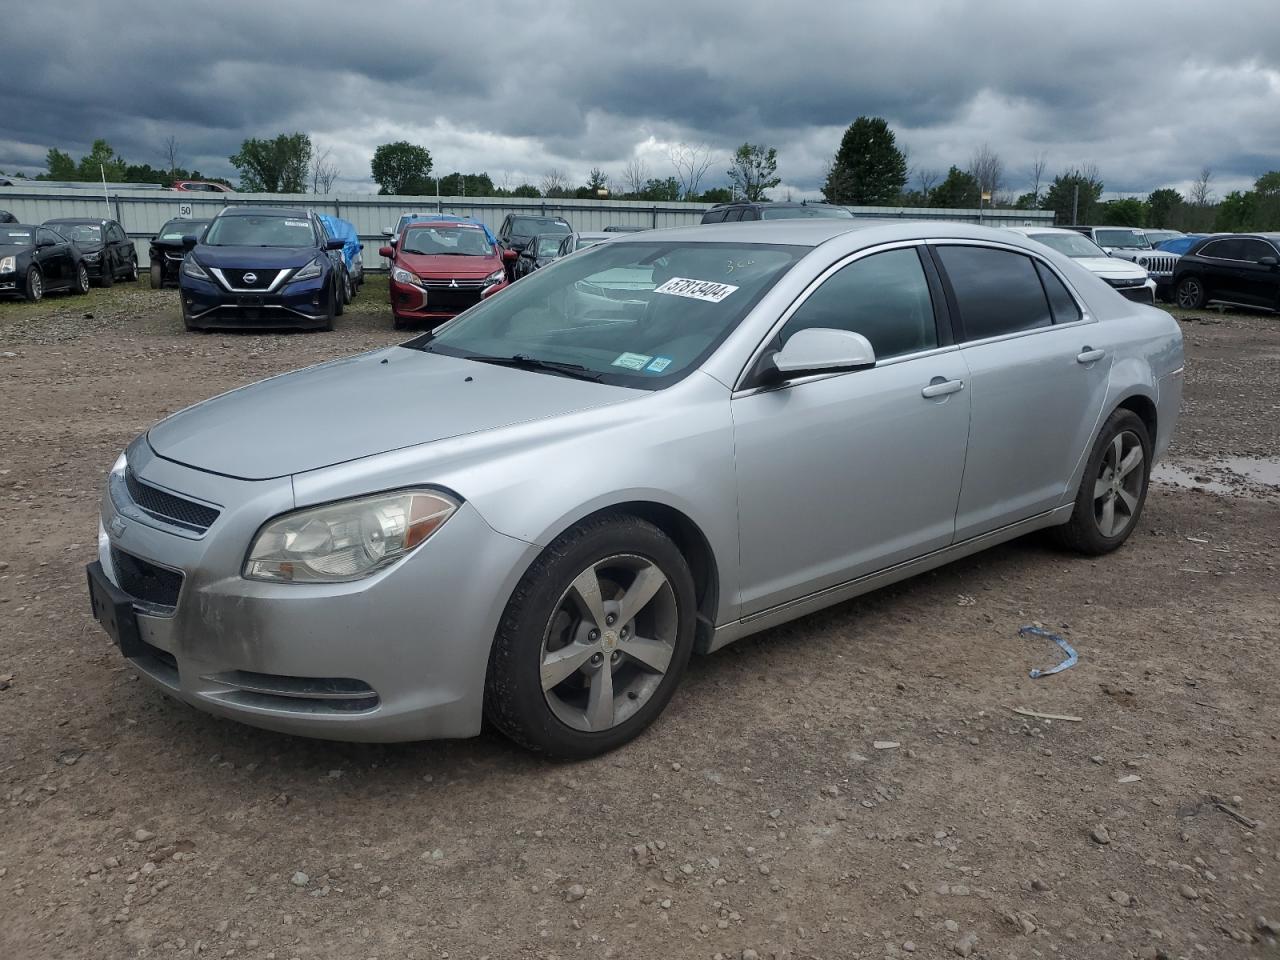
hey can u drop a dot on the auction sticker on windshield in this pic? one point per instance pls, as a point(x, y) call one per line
point(707, 290)
point(632, 361)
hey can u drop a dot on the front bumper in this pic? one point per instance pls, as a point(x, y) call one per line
point(414, 304)
point(398, 656)
point(1144, 293)
point(206, 305)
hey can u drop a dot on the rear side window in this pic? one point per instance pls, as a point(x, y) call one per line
point(1061, 303)
point(713, 216)
point(885, 297)
point(1255, 250)
point(997, 292)
point(1222, 250)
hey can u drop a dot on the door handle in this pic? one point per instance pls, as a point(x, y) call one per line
point(940, 388)
point(1089, 355)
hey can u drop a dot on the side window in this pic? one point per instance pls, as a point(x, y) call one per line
point(750, 213)
point(733, 215)
point(1221, 250)
point(43, 234)
point(714, 216)
point(885, 297)
point(997, 291)
point(118, 234)
point(1064, 307)
point(1255, 250)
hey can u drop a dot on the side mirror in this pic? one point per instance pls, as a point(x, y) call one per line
point(386, 231)
point(189, 242)
point(387, 252)
point(337, 244)
point(510, 254)
point(822, 350)
point(1268, 261)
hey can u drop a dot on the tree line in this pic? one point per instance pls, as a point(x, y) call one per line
point(869, 168)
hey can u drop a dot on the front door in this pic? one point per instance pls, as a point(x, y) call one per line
point(1038, 373)
point(843, 475)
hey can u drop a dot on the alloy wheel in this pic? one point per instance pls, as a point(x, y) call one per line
point(82, 279)
point(1189, 294)
point(35, 286)
point(609, 643)
point(1117, 491)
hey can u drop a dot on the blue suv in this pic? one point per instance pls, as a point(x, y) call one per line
point(261, 267)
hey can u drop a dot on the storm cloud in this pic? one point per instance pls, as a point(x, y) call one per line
point(1149, 92)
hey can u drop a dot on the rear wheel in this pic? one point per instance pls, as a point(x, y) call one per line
point(594, 639)
point(1113, 489)
point(339, 299)
point(34, 288)
point(1191, 294)
point(157, 275)
point(346, 287)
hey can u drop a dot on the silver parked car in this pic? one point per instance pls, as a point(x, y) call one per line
point(656, 446)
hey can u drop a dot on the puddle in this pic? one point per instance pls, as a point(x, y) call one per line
point(1232, 476)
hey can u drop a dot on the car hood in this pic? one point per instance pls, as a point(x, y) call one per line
point(1113, 267)
point(437, 265)
point(258, 258)
point(360, 406)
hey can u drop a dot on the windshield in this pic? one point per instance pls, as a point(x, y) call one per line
point(808, 210)
point(532, 226)
point(80, 232)
point(1123, 239)
point(443, 241)
point(264, 231)
point(15, 237)
point(636, 314)
point(1072, 244)
point(177, 229)
point(549, 246)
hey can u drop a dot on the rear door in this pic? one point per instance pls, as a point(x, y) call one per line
point(1038, 373)
point(1259, 282)
point(846, 474)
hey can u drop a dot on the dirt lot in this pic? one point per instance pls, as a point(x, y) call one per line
point(761, 817)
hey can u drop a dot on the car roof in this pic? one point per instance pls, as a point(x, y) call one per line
point(249, 211)
point(596, 234)
point(1032, 231)
point(94, 221)
point(815, 231)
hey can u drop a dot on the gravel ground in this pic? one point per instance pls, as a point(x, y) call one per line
point(855, 784)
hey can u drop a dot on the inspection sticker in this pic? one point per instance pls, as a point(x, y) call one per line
point(296, 223)
point(707, 290)
point(659, 364)
point(632, 361)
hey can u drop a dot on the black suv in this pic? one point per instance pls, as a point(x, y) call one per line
point(1242, 268)
point(517, 229)
point(108, 252)
point(743, 210)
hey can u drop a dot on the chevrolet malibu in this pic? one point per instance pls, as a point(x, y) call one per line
point(538, 511)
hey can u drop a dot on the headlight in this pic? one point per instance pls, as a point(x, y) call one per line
point(92, 257)
point(498, 276)
point(309, 272)
point(192, 269)
point(120, 466)
point(401, 275)
point(8, 264)
point(347, 540)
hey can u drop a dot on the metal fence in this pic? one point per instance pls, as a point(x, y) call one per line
point(143, 212)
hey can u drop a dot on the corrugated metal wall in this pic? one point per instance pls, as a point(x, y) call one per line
point(143, 212)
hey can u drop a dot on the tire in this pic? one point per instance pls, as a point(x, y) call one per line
point(1190, 293)
point(398, 323)
point(339, 300)
point(132, 275)
point(1089, 531)
point(579, 715)
point(82, 280)
point(157, 275)
point(33, 289)
point(347, 290)
point(327, 323)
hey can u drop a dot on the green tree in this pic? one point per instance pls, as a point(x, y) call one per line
point(1163, 207)
point(717, 195)
point(279, 165)
point(1127, 212)
point(655, 189)
point(61, 166)
point(1236, 212)
point(868, 167)
point(1061, 195)
point(402, 169)
point(1027, 201)
point(1266, 214)
point(597, 180)
point(101, 161)
point(526, 190)
point(466, 185)
point(753, 169)
point(958, 191)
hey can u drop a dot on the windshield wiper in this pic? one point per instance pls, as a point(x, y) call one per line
point(524, 362)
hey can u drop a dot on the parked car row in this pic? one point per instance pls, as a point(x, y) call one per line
point(65, 254)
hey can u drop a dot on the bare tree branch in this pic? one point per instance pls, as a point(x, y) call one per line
point(171, 155)
point(635, 175)
point(554, 180)
point(927, 178)
point(691, 163)
point(1201, 195)
point(1037, 174)
point(323, 173)
point(987, 168)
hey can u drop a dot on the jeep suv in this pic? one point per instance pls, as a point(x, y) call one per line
point(1130, 243)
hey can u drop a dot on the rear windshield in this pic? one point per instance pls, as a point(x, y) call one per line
point(1072, 244)
point(808, 210)
point(254, 231)
point(11, 237)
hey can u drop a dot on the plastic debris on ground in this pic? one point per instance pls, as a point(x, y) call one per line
point(1070, 661)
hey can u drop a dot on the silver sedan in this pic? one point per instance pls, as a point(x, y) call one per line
point(540, 510)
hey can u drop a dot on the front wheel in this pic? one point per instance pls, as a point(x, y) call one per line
point(131, 273)
point(157, 275)
point(34, 288)
point(82, 279)
point(593, 641)
point(1191, 294)
point(1113, 489)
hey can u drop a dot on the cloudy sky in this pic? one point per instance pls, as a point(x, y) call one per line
point(1149, 92)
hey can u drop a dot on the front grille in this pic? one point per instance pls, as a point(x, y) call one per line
point(261, 278)
point(167, 507)
point(453, 284)
point(1159, 264)
point(144, 580)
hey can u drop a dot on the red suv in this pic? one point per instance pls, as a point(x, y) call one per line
point(440, 268)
